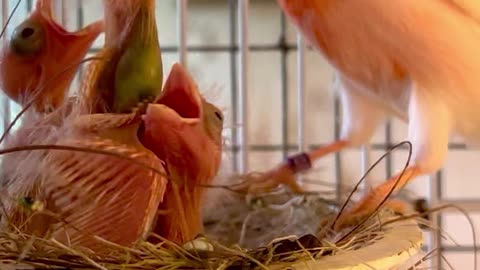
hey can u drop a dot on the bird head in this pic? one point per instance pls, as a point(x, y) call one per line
point(41, 57)
point(183, 129)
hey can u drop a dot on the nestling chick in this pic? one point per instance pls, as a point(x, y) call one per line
point(417, 60)
point(183, 130)
point(41, 58)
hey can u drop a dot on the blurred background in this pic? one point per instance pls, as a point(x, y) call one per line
point(272, 83)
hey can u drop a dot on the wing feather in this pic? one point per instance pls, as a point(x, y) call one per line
point(90, 193)
point(470, 8)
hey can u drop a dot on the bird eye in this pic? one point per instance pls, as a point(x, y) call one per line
point(219, 115)
point(27, 38)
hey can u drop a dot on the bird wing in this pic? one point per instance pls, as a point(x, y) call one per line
point(107, 196)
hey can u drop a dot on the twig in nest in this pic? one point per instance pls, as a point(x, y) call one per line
point(423, 259)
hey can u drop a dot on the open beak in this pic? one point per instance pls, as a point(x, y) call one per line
point(180, 101)
point(74, 44)
point(44, 8)
point(81, 40)
point(56, 61)
point(42, 57)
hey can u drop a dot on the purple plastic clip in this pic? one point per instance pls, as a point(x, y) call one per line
point(299, 162)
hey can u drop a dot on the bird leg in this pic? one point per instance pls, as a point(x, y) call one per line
point(374, 198)
point(429, 128)
point(361, 117)
point(284, 174)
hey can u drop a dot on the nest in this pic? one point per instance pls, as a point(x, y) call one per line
point(273, 232)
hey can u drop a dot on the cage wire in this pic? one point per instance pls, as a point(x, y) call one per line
point(72, 14)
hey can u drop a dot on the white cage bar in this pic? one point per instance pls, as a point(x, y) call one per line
point(5, 101)
point(301, 98)
point(182, 10)
point(243, 41)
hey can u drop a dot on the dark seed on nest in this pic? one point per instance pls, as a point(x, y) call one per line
point(310, 241)
point(243, 265)
point(284, 248)
point(421, 206)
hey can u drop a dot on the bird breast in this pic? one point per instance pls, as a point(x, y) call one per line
point(386, 47)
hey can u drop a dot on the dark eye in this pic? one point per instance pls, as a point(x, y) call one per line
point(219, 115)
point(28, 38)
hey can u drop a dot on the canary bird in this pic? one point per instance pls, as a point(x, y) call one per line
point(415, 60)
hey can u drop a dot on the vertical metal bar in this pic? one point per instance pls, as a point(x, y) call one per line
point(388, 143)
point(284, 80)
point(338, 157)
point(233, 73)
point(64, 13)
point(365, 165)
point(57, 10)
point(5, 19)
point(438, 218)
point(60, 11)
point(80, 21)
point(243, 7)
point(301, 97)
point(182, 9)
point(6, 100)
point(434, 238)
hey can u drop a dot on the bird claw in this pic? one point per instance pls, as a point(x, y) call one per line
point(267, 182)
point(363, 211)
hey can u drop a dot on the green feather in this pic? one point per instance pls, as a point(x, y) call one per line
point(139, 73)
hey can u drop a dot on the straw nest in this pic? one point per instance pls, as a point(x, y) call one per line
point(278, 231)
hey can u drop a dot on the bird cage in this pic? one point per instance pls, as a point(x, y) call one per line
point(275, 90)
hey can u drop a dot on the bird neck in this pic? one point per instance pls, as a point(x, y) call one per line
point(180, 217)
point(138, 16)
point(117, 14)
